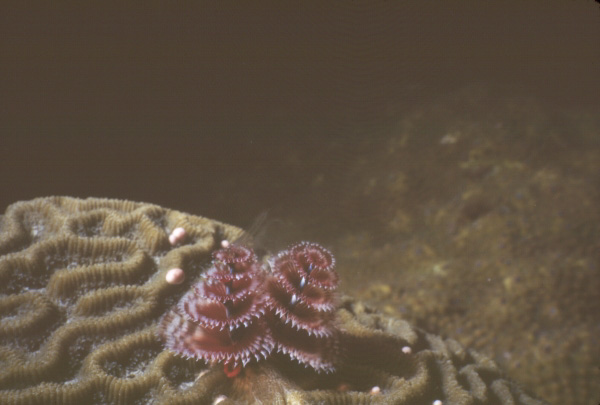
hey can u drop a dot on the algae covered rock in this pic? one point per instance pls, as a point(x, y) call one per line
point(82, 289)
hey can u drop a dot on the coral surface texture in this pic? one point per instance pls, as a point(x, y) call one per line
point(83, 289)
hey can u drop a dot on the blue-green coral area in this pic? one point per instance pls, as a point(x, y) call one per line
point(82, 287)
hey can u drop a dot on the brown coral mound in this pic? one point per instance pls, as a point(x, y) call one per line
point(82, 289)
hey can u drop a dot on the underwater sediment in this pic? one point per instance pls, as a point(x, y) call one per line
point(479, 221)
point(82, 290)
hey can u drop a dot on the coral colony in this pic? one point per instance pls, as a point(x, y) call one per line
point(240, 312)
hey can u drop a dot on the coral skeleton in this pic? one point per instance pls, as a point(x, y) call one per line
point(239, 313)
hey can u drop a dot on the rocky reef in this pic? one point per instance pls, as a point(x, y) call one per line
point(83, 288)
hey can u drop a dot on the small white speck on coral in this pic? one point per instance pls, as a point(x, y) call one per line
point(201, 374)
point(406, 350)
point(225, 243)
point(176, 236)
point(375, 390)
point(219, 399)
point(175, 276)
point(437, 402)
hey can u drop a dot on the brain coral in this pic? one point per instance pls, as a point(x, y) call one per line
point(82, 289)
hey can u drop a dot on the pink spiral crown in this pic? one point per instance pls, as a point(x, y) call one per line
point(221, 319)
point(237, 314)
point(300, 298)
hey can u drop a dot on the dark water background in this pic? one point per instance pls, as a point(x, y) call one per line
point(224, 110)
point(229, 111)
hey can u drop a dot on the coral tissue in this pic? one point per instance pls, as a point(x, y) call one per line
point(237, 313)
point(221, 318)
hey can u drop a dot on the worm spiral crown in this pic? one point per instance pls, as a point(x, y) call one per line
point(301, 303)
point(221, 318)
